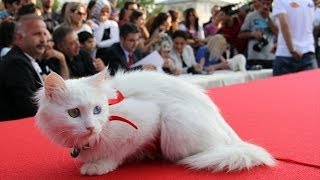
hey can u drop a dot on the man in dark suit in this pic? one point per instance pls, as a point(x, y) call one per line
point(122, 55)
point(80, 63)
point(20, 75)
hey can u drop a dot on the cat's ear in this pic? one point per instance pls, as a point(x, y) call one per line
point(101, 76)
point(54, 86)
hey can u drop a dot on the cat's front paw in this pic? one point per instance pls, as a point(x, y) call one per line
point(96, 168)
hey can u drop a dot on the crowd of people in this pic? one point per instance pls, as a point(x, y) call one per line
point(84, 39)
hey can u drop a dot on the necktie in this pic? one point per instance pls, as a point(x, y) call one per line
point(130, 63)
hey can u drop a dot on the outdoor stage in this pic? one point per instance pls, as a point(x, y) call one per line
point(281, 114)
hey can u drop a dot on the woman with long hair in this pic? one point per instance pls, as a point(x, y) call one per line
point(211, 57)
point(137, 18)
point(215, 25)
point(159, 28)
point(192, 27)
point(75, 15)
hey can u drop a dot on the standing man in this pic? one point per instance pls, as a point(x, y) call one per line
point(260, 31)
point(122, 55)
point(20, 74)
point(295, 51)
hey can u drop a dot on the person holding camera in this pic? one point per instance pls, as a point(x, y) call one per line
point(260, 30)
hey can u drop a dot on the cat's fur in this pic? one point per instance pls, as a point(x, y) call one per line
point(188, 125)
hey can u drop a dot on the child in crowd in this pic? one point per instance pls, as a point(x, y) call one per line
point(87, 42)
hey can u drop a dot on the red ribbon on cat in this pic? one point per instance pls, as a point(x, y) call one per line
point(117, 100)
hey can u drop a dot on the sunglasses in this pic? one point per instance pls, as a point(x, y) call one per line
point(81, 13)
point(78, 12)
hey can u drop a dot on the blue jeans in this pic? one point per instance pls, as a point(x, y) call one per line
point(285, 65)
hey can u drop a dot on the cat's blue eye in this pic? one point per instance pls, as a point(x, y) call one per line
point(97, 110)
point(74, 112)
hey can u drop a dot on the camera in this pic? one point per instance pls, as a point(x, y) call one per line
point(260, 45)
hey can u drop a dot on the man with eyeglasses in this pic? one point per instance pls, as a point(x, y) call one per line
point(122, 55)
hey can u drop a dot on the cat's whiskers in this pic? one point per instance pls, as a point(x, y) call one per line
point(57, 135)
point(67, 141)
point(68, 138)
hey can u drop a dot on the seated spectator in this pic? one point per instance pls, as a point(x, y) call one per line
point(6, 37)
point(168, 65)
point(122, 55)
point(74, 17)
point(19, 72)
point(79, 62)
point(210, 57)
point(87, 42)
point(182, 54)
point(106, 32)
point(53, 61)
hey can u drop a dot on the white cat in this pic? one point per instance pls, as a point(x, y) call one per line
point(191, 131)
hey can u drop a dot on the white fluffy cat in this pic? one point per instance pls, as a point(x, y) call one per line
point(190, 130)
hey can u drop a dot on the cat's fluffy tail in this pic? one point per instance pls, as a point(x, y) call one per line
point(231, 157)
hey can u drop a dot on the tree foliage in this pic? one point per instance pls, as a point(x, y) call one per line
point(149, 5)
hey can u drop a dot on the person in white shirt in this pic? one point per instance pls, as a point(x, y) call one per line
point(182, 54)
point(106, 32)
point(316, 30)
point(75, 15)
point(295, 49)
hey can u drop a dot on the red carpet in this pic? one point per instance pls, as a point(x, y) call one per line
point(281, 114)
